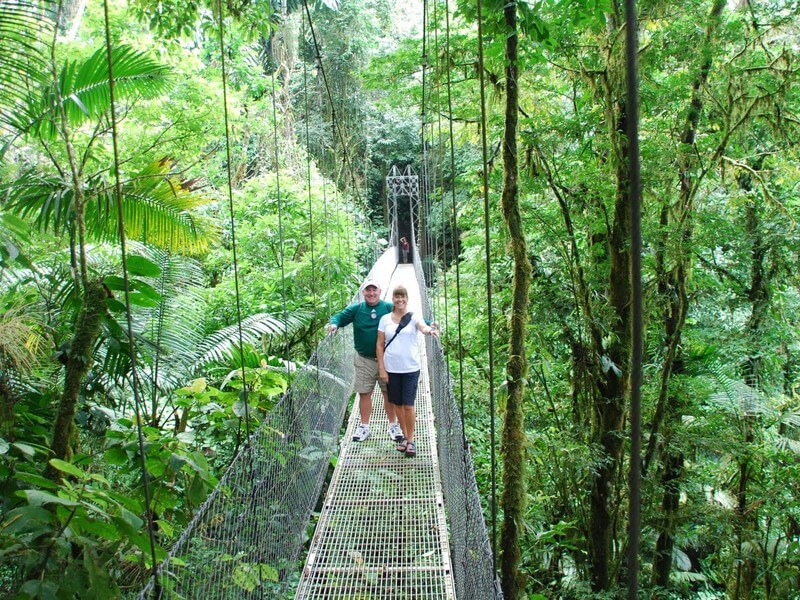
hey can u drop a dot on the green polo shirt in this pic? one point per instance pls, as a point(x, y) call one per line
point(365, 320)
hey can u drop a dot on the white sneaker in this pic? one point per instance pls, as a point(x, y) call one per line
point(395, 432)
point(361, 433)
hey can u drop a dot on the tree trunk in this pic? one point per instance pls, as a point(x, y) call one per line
point(614, 358)
point(662, 560)
point(79, 359)
point(6, 411)
point(673, 286)
point(513, 446)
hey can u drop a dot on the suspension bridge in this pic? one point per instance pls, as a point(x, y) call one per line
point(389, 527)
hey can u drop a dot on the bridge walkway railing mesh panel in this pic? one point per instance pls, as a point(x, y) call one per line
point(245, 540)
point(473, 568)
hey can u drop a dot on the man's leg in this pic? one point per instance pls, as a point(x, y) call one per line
point(365, 406)
point(364, 380)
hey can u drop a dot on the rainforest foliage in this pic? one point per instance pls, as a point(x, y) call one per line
point(220, 142)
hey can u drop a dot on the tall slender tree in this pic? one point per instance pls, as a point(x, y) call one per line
point(513, 446)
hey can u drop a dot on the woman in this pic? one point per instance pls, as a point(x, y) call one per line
point(398, 362)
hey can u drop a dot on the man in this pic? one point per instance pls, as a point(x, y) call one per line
point(365, 317)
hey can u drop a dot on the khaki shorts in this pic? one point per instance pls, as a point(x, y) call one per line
point(366, 374)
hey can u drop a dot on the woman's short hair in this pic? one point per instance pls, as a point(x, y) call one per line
point(400, 291)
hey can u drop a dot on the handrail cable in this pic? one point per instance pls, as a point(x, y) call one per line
point(280, 223)
point(637, 349)
point(487, 250)
point(428, 173)
point(456, 260)
point(135, 383)
point(229, 159)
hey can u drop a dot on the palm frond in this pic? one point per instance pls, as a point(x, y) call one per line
point(13, 234)
point(157, 208)
point(735, 396)
point(85, 90)
point(21, 338)
point(46, 201)
point(217, 346)
point(26, 30)
point(167, 334)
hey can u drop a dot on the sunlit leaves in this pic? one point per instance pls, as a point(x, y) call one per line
point(26, 30)
point(84, 90)
point(158, 208)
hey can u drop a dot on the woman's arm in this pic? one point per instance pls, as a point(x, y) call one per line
point(384, 376)
point(428, 329)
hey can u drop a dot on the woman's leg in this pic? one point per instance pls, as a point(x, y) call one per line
point(410, 419)
point(410, 383)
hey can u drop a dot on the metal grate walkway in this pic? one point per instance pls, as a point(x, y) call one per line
point(382, 532)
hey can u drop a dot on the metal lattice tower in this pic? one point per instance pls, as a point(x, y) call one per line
point(402, 186)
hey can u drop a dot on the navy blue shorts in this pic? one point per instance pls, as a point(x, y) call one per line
point(403, 388)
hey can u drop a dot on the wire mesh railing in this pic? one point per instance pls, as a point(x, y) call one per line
point(245, 540)
point(471, 551)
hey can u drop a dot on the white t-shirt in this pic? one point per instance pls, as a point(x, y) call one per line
point(402, 355)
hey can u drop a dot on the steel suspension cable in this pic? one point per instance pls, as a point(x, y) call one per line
point(424, 118)
point(456, 258)
point(637, 350)
point(327, 239)
point(487, 251)
point(439, 161)
point(338, 237)
point(336, 129)
point(229, 158)
point(308, 181)
point(135, 383)
point(280, 223)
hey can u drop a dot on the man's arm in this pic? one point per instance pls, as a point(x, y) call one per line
point(342, 318)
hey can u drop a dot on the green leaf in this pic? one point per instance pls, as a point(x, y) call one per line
point(38, 480)
point(139, 299)
point(166, 528)
point(4, 446)
point(131, 519)
point(197, 490)
point(143, 267)
point(156, 467)
point(40, 498)
point(27, 519)
point(115, 455)
point(44, 590)
point(67, 468)
point(26, 449)
point(114, 282)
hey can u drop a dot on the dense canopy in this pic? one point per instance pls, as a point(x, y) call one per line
point(214, 185)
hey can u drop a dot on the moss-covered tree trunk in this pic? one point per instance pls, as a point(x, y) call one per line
point(6, 410)
point(78, 361)
point(612, 355)
point(513, 447)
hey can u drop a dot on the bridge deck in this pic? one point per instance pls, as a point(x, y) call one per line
point(382, 532)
